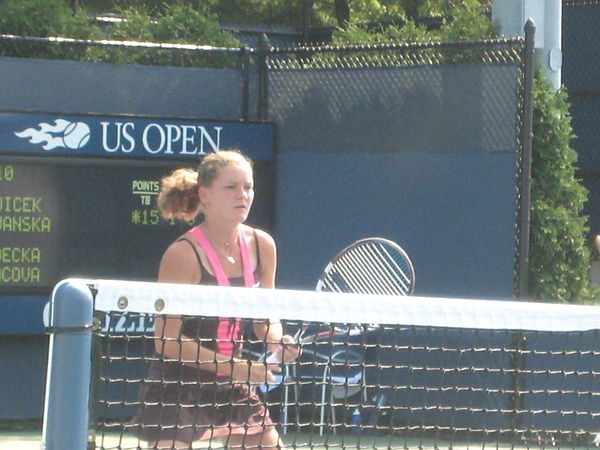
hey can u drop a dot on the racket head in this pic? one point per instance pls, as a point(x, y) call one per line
point(373, 265)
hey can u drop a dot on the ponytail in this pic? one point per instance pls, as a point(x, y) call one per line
point(178, 197)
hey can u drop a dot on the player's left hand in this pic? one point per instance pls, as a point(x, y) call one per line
point(287, 350)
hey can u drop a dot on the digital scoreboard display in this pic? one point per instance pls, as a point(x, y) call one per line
point(83, 215)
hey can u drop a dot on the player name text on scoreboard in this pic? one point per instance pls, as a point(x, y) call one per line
point(20, 258)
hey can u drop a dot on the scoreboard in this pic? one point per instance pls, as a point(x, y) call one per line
point(78, 193)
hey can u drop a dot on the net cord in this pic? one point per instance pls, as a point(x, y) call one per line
point(218, 301)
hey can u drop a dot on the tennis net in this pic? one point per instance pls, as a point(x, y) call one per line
point(375, 371)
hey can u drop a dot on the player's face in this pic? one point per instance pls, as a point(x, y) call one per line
point(231, 194)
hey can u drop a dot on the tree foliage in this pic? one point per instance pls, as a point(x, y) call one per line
point(178, 22)
point(42, 18)
point(559, 255)
point(286, 12)
point(360, 12)
point(468, 22)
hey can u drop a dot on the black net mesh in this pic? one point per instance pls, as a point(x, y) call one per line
point(359, 385)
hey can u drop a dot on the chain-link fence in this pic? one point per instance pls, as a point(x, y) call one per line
point(436, 98)
point(427, 144)
point(425, 98)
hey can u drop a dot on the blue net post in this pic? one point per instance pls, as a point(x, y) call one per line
point(66, 406)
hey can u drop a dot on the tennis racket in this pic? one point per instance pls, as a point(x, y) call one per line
point(369, 266)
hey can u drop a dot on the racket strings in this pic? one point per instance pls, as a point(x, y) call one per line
point(344, 278)
point(374, 278)
point(395, 266)
point(356, 278)
point(385, 266)
point(368, 268)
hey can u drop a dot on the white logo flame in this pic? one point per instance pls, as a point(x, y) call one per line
point(65, 134)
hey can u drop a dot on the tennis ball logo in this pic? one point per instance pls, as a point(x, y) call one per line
point(63, 133)
point(76, 135)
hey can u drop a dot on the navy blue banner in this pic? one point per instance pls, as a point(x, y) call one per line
point(131, 136)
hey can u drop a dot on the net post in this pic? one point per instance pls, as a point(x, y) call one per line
point(66, 403)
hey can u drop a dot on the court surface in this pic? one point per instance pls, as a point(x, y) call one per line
point(31, 440)
point(22, 440)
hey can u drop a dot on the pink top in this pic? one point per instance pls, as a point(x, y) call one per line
point(228, 331)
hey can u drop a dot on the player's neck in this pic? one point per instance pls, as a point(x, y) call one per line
point(220, 234)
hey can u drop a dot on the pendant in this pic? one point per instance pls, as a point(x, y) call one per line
point(228, 257)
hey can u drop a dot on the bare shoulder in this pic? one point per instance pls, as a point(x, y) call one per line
point(179, 263)
point(268, 256)
point(179, 250)
point(264, 238)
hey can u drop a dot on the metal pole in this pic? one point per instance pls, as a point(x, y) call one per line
point(263, 88)
point(526, 140)
point(66, 414)
point(245, 83)
point(307, 6)
point(511, 16)
point(550, 57)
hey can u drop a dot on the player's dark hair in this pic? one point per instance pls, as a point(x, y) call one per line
point(210, 165)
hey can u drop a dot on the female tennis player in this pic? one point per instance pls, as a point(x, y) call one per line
point(199, 387)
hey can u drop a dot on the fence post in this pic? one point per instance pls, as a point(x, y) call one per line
point(263, 89)
point(307, 7)
point(526, 145)
point(245, 83)
point(66, 404)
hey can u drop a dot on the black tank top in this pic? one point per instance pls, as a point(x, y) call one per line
point(203, 329)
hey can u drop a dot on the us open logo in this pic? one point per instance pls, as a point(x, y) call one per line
point(63, 134)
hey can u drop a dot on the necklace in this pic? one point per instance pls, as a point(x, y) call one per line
point(228, 249)
point(228, 257)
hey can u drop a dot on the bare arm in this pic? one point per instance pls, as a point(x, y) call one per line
point(267, 330)
point(270, 330)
